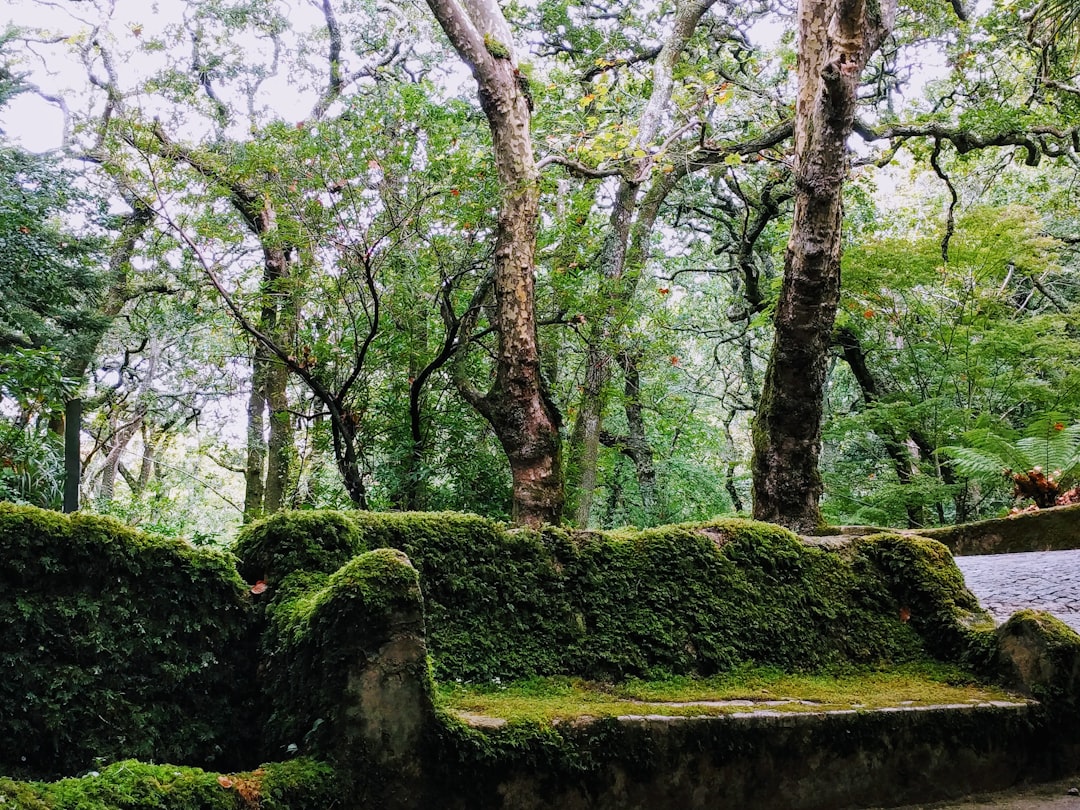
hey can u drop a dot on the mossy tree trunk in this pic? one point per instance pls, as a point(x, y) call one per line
point(517, 406)
point(836, 40)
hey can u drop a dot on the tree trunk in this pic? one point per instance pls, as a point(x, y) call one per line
point(279, 445)
point(637, 446)
point(255, 459)
point(905, 465)
point(836, 40)
point(266, 472)
point(623, 257)
point(525, 420)
point(277, 319)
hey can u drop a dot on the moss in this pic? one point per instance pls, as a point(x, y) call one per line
point(22, 796)
point(692, 599)
point(922, 577)
point(318, 627)
point(1041, 654)
point(556, 699)
point(316, 540)
point(301, 784)
point(121, 644)
point(496, 48)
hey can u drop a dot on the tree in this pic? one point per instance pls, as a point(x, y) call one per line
point(517, 405)
point(1042, 465)
point(49, 315)
point(936, 349)
point(836, 40)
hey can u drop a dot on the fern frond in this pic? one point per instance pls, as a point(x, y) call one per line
point(975, 463)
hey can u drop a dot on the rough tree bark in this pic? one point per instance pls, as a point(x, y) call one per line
point(836, 40)
point(524, 419)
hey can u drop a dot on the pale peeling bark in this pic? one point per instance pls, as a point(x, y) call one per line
point(836, 40)
point(523, 417)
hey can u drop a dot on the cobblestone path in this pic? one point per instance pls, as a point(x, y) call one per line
point(1043, 580)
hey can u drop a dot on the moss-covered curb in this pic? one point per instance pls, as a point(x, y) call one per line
point(800, 762)
point(325, 654)
point(1054, 529)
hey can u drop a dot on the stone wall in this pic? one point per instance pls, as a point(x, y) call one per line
point(1053, 529)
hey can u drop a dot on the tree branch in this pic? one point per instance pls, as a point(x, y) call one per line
point(1033, 140)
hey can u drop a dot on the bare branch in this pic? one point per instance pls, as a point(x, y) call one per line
point(614, 64)
point(950, 216)
point(203, 74)
point(1036, 140)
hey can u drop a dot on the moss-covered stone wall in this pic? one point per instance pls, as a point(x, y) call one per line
point(504, 603)
point(114, 644)
point(1053, 529)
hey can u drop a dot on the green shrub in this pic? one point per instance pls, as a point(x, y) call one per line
point(300, 784)
point(316, 540)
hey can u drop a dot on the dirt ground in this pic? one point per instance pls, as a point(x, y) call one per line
point(1049, 796)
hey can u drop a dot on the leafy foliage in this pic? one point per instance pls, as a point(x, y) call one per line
point(49, 275)
point(1041, 464)
point(301, 784)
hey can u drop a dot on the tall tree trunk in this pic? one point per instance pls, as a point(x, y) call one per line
point(904, 464)
point(277, 319)
point(523, 417)
point(279, 445)
point(836, 40)
point(622, 258)
point(637, 442)
point(255, 458)
point(269, 436)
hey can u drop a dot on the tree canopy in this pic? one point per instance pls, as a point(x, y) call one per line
point(654, 263)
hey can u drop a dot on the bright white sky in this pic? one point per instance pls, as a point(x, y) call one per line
point(38, 125)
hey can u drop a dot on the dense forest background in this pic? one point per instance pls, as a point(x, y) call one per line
point(530, 261)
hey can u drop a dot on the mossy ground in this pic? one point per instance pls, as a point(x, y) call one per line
point(300, 784)
point(747, 689)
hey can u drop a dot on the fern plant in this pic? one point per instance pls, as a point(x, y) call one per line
point(1044, 464)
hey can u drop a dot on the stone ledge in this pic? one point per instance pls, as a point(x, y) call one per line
point(770, 759)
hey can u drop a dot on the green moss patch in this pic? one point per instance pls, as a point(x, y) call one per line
point(117, 644)
point(130, 785)
point(319, 627)
point(693, 599)
point(556, 699)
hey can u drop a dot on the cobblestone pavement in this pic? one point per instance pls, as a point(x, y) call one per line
point(1005, 583)
point(1043, 580)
